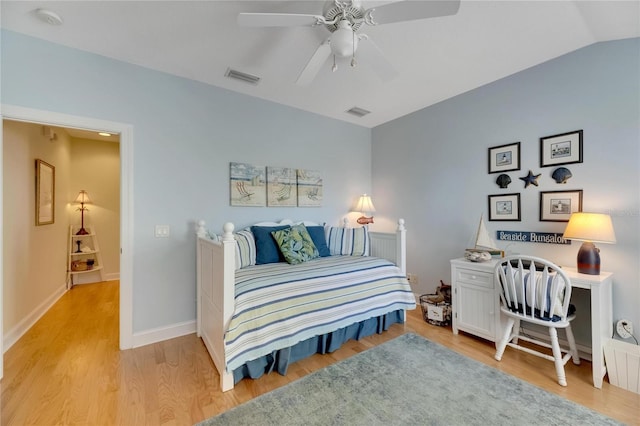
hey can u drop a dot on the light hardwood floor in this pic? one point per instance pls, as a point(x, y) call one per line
point(68, 370)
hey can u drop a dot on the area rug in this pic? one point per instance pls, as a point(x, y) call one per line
point(409, 381)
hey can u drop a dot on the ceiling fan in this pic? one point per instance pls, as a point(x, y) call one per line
point(343, 18)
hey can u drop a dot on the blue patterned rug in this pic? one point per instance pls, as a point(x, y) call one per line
point(409, 381)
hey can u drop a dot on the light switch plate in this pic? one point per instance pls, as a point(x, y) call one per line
point(162, 231)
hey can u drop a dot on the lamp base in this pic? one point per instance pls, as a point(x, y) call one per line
point(589, 259)
point(82, 231)
point(363, 220)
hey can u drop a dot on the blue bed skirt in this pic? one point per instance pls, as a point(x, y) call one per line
point(279, 360)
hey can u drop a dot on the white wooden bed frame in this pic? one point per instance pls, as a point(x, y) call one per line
point(216, 284)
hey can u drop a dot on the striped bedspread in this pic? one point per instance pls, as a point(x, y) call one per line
point(279, 305)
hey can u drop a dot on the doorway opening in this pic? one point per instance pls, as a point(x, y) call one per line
point(125, 132)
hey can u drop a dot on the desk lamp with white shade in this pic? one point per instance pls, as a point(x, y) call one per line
point(590, 228)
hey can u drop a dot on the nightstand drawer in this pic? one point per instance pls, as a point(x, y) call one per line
point(483, 279)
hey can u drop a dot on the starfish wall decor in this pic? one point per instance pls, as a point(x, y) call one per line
point(530, 179)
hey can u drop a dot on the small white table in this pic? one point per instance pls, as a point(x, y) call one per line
point(480, 315)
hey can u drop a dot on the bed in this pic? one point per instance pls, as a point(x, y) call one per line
point(257, 314)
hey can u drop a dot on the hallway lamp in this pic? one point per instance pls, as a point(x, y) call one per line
point(82, 199)
point(365, 206)
point(590, 228)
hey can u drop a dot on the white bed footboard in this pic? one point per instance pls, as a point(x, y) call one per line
point(215, 295)
point(216, 285)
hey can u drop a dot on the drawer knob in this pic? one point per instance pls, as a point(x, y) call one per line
point(473, 276)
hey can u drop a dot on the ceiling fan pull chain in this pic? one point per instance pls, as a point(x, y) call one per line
point(334, 67)
point(353, 52)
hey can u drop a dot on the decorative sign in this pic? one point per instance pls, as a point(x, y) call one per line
point(532, 237)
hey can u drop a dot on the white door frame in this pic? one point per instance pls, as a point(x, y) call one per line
point(125, 131)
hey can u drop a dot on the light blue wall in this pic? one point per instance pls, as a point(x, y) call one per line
point(431, 166)
point(184, 136)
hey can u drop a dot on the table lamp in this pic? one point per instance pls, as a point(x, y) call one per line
point(82, 198)
point(590, 228)
point(365, 206)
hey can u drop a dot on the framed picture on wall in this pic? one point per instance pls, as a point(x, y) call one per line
point(565, 148)
point(45, 193)
point(557, 206)
point(504, 207)
point(504, 158)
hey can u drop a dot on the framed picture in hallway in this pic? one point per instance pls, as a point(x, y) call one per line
point(45, 193)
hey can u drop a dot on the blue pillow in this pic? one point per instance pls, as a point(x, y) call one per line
point(320, 241)
point(267, 250)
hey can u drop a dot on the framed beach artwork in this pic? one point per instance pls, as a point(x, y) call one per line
point(504, 158)
point(247, 185)
point(309, 188)
point(557, 206)
point(565, 148)
point(504, 207)
point(45, 193)
point(281, 187)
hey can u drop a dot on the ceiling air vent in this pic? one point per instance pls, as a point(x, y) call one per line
point(238, 75)
point(358, 112)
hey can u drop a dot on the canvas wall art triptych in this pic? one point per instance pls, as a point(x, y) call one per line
point(260, 186)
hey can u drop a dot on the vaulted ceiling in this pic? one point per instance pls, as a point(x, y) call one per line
point(436, 58)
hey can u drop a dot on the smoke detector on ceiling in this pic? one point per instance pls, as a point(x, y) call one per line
point(48, 16)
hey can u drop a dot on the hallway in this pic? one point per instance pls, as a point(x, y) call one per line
point(68, 369)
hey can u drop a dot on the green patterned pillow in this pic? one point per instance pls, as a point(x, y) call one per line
point(296, 244)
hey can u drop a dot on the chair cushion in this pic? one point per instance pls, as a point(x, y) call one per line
point(542, 298)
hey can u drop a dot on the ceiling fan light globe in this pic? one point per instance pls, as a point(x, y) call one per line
point(343, 42)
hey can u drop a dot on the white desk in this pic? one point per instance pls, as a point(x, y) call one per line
point(476, 306)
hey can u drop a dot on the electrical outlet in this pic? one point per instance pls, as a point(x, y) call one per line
point(413, 280)
point(624, 328)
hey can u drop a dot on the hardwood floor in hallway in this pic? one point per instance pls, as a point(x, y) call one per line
point(68, 370)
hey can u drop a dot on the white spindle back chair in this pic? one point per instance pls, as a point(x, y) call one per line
point(537, 291)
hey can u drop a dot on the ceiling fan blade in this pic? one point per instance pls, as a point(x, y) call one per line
point(410, 10)
point(371, 56)
point(315, 63)
point(278, 20)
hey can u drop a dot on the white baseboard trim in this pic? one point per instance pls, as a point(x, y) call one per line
point(114, 276)
point(159, 334)
point(583, 351)
point(13, 335)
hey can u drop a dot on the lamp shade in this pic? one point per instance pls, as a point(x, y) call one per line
point(594, 227)
point(82, 198)
point(365, 205)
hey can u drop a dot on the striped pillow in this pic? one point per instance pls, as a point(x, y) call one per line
point(245, 249)
point(348, 241)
